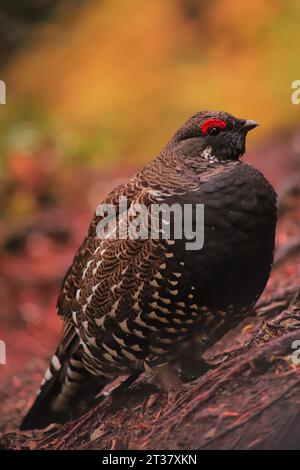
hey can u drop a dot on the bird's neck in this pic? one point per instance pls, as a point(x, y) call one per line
point(170, 170)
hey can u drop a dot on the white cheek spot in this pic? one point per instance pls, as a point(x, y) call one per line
point(180, 304)
point(178, 274)
point(162, 266)
point(154, 283)
point(169, 255)
point(207, 153)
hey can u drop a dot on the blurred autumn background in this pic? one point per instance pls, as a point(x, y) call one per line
point(93, 90)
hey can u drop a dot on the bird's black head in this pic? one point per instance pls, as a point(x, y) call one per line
point(212, 135)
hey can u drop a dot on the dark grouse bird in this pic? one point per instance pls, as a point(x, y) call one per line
point(131, 304)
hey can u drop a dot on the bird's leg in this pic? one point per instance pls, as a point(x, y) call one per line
point(191, 362)
point(164, 378)
point(191, 369)
point(125, 384)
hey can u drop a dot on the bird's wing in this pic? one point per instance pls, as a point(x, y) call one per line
point(73, 276)
point(112, 289)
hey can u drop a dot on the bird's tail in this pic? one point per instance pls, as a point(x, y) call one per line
point(65, 387)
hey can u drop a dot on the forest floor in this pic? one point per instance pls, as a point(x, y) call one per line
point(249, 400)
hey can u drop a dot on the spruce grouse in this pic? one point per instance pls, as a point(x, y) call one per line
point(133, 304)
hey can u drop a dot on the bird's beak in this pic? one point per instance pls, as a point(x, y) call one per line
point(250, 125)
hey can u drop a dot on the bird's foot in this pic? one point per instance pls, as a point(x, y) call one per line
point(192, 370)
point(164, 378)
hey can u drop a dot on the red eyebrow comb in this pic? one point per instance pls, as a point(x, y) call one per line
point(213, 122)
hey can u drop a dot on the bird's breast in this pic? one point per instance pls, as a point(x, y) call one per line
point(234, 263)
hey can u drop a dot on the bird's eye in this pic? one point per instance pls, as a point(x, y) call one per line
point(214, 131)
point(212, 126)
